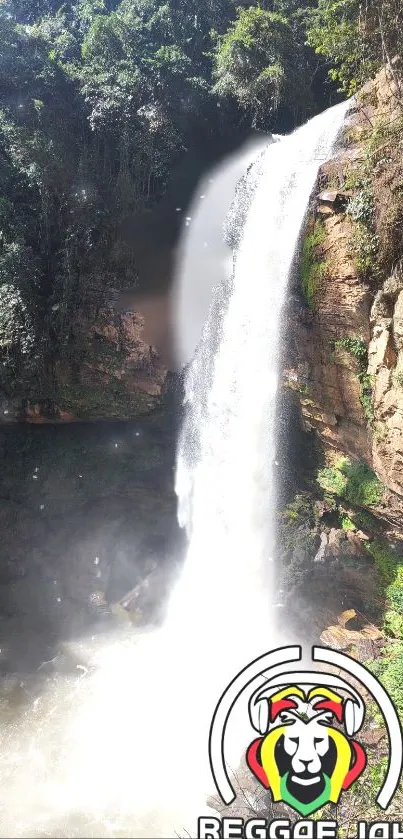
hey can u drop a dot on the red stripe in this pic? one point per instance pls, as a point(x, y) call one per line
point(358, 766)
point(329, 705)
point(281, 705)
point(254, 765)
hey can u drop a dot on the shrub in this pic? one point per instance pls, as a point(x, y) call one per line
point(361, 206)
point(313, 268)
point(358, 348)
point(346, 523)
point(390, 570)
point(353, 481)
point(389, 669)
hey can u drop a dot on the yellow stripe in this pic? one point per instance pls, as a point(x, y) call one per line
point(291, 691)
point(343, 763)
point(325, 692)
point(269, 762)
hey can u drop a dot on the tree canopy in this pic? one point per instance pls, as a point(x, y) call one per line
point(100, 99)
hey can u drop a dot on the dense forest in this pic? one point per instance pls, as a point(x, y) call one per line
point(101, 100)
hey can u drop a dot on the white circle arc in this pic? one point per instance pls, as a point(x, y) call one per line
point(271, 664)
point(390, 715)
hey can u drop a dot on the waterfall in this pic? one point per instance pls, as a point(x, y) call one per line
point(226, 471)
point(121, 749)
point(221, 614)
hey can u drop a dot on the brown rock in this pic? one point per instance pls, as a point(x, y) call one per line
point(355, 543)
point(373, 736)
point(340, 638)
point(398, 322)
point(380, 351)
point(381, 308)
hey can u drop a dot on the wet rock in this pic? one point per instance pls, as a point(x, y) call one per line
point(340, 638)
point(146, 602)
point(336, 537)
point(381, 308)
point(355, 543)
point(332, 201)
point(322, 552)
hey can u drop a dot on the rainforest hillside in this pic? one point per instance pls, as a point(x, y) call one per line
point(106, 107)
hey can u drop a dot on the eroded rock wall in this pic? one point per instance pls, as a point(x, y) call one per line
point(346, 356)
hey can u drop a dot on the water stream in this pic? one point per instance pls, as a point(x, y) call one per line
point(121, 749)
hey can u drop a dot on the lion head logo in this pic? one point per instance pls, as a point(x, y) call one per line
point(307, 720)
point(303, 758)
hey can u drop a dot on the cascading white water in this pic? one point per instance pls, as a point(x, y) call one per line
point(226, 473)
point(123, 750)
point(222, 613)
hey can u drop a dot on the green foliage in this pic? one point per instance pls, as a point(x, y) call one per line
point(100, 99)
point(97, 101)
point(361, 206)
point(346, 523)
point(114, 402)
point(313, 266)
point(389, 669)
point(300, 509)
point(351, 481)
point(366, 396)
point(364, 245)
point(390, 569)
point(398, 378)
point(357, 348)
point(17, 337)
point(385, 561)
point(356, 38)
point(260, 63)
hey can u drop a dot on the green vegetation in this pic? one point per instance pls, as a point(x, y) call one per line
point(346, 523)
point(356, 38)
point(261, 62)
point(390, 570)
point(114, 401)
point(354, 346)
point(351, 481)
point(101, 100)
point(364, 246)
point(358, 348)
point(389, 670)
point(361, 208)
point(313, 266)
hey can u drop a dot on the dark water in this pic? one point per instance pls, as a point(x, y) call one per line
point(87, 511)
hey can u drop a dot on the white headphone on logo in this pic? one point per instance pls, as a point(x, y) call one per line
point(260, 701)
point(276, 662)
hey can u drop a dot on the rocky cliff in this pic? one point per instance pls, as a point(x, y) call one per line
point(107, 370)
point(341, 511)
point(341, 529)
point(346, 356)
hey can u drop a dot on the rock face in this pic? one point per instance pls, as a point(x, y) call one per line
point(330, 397)
point(112, 374)
point(345, 359)
point(386, 361)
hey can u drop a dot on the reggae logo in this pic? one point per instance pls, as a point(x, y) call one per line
point(306, 753)
point(303, 758)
